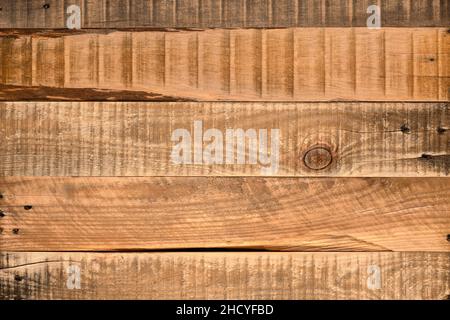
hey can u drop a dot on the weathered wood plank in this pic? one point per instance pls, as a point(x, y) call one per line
point(144, 139)
point(295, 64)
point(221, 14)
point(321, 214)
point(237, 275)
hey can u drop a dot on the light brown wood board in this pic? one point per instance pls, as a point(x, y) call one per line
point(293, 64)
point(140, 139)
point(314, 214)
point(222, 13)
point(237, 50)
point(237, 275)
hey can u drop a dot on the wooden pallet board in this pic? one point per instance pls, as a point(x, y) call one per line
point(315, 214)
point(258, 275)
point(222, 13)
point(224, 149)
point(137, 139)
point(294, 64)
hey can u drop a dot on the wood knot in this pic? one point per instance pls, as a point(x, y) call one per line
point(318, 158)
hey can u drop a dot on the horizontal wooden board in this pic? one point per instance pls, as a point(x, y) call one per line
point(221, 13)
point(241, 275)
point(294, 64)
point(315, 214)
point(141, 139)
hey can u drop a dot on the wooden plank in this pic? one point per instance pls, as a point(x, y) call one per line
point(144, 139)
point(294, 64)
point(218, 275)
point(221, 14)
point(326, 214)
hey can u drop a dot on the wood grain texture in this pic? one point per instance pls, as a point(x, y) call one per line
point(135, 139)
point(240, 275)
point(294, 64)
point(315, 214)
point(222, 13)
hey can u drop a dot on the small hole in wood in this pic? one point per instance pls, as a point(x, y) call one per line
point(46, 6)
point(16, 230)
point(405, 129)
point(2, 214)
point(448, 237)
point(18, 278)
point(1, 230)
point(27, 207)
point(1, 196)
point(441, 130)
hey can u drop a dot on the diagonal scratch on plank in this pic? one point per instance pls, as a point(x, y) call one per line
point(36, 263)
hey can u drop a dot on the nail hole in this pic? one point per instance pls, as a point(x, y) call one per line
point(27, 207)
point(18, 278)
point(2, 214)
point(431, 59)
point(46, 6)
point(448, 237)
point(427, 156)
point(16, 231)
point(441, 130)
point(1, 230)
point(1, 196)
point(405, 129)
